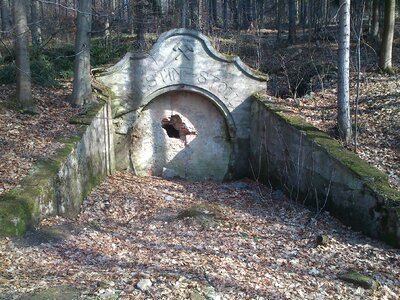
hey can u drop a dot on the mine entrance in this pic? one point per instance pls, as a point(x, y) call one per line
point(183, 134)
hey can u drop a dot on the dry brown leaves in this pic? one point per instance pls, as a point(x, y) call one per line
point(24, 139)
point(261, 247)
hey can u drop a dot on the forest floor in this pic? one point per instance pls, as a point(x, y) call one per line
point(193, 240)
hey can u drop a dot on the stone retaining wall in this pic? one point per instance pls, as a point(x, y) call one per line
point(314, 169)
point(58, 186)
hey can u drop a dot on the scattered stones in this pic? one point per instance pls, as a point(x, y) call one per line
point(144, 284)
point(359, 279)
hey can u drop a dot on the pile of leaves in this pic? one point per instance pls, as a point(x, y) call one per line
point(25, 139)
point(237, 240)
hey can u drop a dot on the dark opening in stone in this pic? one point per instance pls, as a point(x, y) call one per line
point(171, 131)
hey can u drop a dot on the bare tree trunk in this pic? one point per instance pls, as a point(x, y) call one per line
point(281, 9)
point(385, 60)
point(184, 12)
point(292, 21)
point(24, 88)
point(235, 13)
point(375, 19)
point(82, 90)
point(5, 16)
point(343, 116)
point(140, 25)
point(36, 30)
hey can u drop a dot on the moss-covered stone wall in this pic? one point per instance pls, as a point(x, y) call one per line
point(314, 169)
point(59, 185)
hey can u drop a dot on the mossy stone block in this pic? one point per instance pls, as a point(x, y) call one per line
point(14, 219)
point(359, 279)
point(54, 293)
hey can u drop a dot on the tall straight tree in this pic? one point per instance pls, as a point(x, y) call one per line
point(139, 9)
point(184, 13)
point(292, 21)
point(5, 16)
point(23, 72)
point(36, 30)
point(343, 116)
point(385, 59)
point(374, 32)
point(82, 89)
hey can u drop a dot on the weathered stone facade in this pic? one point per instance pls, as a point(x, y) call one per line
point(181, 69)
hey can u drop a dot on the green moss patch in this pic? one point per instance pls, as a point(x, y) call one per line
point(59, 293)
point(14, 218)
point(89, 111)
point(359, 280)
point(19, 208)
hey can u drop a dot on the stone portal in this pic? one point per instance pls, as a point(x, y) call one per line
point(181, 134)
point(182, 107)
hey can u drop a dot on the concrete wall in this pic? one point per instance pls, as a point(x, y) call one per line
point(312, 168)
point(59, 185)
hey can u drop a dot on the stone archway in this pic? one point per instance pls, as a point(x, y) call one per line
point(182, 60)
point(183, 134)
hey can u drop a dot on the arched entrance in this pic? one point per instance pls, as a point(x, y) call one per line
point(183, 134)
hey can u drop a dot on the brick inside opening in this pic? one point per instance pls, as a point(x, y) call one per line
point(175, 127)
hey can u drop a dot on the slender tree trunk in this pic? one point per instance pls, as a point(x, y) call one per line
point(5, 16)
point(200, 4)
point(375, 19)
point(214, 12)
point(82, 90)
point(292, 21)
point(281, 9)
point(385, 60)
point(36, 30)
point(235, 13)
point(184, 13)
point(343, 116)
point(225, 14)
point(23, 72)
point(140, 25)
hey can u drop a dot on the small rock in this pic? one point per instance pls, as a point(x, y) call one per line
point(211, 294)
point(322, 240)
point(314, 272)
point(359, 279)
point(196, 296)
point(144, 284)
point(168, 198)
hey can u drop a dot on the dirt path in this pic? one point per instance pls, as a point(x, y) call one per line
point(233, 240)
